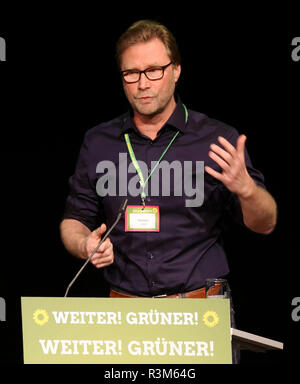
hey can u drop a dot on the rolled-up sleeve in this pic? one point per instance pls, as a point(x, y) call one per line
point(83, 203)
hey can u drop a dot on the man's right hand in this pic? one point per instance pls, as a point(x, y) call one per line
point(105, 254)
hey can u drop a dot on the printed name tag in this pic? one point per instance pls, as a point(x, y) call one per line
point(142, 219)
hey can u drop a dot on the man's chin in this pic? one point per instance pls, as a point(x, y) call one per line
point(148, 110)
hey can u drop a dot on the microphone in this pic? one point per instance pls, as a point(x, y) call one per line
point(120, 214)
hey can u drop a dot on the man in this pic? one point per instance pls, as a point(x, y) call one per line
point(171, 251)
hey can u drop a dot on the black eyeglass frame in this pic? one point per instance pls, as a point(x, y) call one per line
point(162, 67)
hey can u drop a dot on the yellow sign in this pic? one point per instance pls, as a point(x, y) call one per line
point(139, 331)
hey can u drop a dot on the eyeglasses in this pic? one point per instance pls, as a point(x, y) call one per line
point(153, 73)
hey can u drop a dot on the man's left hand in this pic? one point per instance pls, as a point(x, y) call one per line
point(234, 173)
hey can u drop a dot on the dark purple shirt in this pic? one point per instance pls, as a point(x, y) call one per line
point(187, 249)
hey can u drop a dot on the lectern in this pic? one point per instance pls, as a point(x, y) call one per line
point(132, 331)
point(251, 342)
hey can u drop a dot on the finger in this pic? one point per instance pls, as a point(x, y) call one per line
point(105, 249)
point(223, 164)
point(99, 231)
point(102, 265)
point(213, 173)
point(221, 152)
point(228, 146)
point(240, 144)
point(102, 261)
point(107, 245)
point(107, 254)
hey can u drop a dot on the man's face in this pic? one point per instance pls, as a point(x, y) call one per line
point(148, 97)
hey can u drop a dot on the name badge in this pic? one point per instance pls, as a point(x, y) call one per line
point(142, 219)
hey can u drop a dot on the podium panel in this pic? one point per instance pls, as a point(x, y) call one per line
point(124, 331)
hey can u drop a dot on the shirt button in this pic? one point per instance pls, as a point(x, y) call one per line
point(150, 255)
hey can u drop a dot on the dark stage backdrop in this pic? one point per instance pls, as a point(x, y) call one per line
point(60, 79)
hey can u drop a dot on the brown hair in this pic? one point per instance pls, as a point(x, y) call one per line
point(145, 30)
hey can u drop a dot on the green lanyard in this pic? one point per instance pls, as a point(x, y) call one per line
point(136, 164)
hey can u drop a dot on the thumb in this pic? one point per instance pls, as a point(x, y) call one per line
point(100, 230)
point(240, 144)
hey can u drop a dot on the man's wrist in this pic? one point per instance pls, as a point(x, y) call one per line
point(248, 190)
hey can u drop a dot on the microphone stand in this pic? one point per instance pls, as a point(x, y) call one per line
point(120, 214)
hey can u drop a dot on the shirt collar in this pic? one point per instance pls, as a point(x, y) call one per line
point(176, 120)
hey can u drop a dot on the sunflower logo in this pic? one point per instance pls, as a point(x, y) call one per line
point(40, 316)
point(210, 319)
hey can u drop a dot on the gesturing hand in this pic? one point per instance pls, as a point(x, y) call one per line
point(234, 173)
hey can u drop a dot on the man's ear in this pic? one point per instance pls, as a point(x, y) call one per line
point(177, 71)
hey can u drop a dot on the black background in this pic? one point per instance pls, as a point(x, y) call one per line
point(60, 79)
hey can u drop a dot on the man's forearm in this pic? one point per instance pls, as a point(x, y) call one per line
point(259, 210)
point(73, 235)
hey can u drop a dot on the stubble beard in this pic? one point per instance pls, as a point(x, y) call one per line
point(159, 107)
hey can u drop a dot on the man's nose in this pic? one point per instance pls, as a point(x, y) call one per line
point(144, 82)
